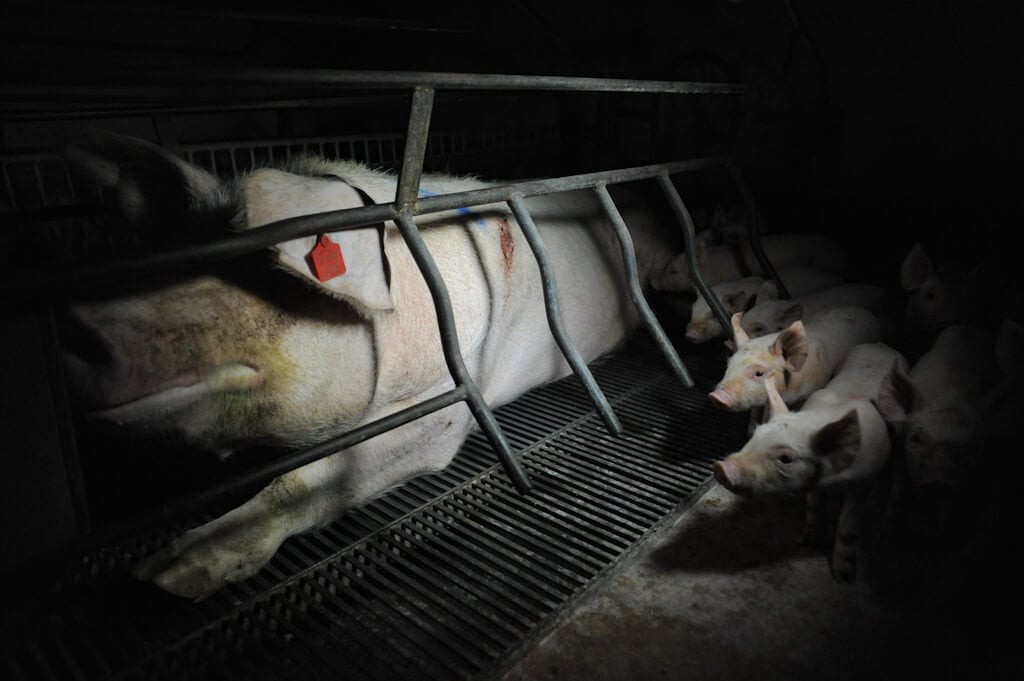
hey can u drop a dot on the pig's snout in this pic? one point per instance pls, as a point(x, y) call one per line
point(722, 398)
point(727, 474)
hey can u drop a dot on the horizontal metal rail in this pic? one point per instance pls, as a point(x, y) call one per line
point(146, 84)
point(32, 282)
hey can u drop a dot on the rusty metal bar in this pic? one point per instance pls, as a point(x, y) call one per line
point(551, 306)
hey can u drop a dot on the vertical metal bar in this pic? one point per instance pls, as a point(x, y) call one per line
point(9, 187)
point(636, 290)
point(39, 183)
point(551, 305)
point(690, 237)
point(755, 227)
point(405, 197)
point(415, 147)
point(453, 354)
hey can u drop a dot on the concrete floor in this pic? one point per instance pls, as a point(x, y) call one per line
point(728, 592)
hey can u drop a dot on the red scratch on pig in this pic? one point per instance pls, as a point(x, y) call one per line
point(508, 245)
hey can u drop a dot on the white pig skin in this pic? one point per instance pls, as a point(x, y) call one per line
point(739, 295)
point(838, 441)
point(801, 359)
point(243, 355)
point(770, 314)
point(721, 262)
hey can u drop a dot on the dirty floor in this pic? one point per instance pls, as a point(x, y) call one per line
point(728, 592)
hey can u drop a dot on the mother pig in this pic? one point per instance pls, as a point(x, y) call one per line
point(244, 355)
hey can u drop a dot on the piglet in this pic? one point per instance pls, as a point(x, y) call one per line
point(739, 295)
point(939, 407)
point(837, 441)
point(728, 262)
point(801, 358)
point(770, 314)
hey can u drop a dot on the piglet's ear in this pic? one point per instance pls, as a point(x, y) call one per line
point(897, 395)
point(149, 186)
point(915, 268)
point(272, 195)
point(776, 405)
point(769, 291)
point(791, 344)
point(739, 335)
point(839, 440)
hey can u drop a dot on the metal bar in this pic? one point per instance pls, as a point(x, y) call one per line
point(127, 77)
point(415, 148)
point(635, 288)
point(554, 314)
point(279, 466)
point(755, 228)
point(453, 355)
point(690, 239)
point(259, 238)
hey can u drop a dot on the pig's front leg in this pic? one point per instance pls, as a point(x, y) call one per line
point(237, 544)
point(844, 554)
point(814, 523)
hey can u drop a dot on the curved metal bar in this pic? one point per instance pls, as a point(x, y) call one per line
point(453, 355)
point(636, 290)
point(690, 238)
point(755, 227)
point(554, 313)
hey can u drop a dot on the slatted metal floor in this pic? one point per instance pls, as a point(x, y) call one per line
point(447, 577)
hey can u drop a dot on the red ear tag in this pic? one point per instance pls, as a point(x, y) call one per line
point(325, 259)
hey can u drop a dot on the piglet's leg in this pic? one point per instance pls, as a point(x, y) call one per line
point(813, 519)
point(844, 554)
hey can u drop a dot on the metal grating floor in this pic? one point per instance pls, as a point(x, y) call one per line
point(444, 578)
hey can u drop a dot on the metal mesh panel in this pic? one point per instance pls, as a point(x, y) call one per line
point(445, 577)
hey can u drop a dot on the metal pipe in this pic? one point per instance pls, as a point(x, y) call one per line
point(690, 239)
point(635, 288)
point(263, 473)
point(453, 355)
point(27, 282)
point(415, 148)
point(755, 228)
point(551, 306)
point(329, 78)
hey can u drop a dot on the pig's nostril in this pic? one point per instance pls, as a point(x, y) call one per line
point(77, 339)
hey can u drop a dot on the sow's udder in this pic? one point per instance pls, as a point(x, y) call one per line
point(196, 361)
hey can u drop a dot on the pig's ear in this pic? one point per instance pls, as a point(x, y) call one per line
point(897, 396)
point(769, 291)
point(915, 268)
point(739, 335)
point(839, 440)
point(792, 313)
point(149, 186)
point(735, 302)
point(792, 346)
point(776, 405)
point(272, 195)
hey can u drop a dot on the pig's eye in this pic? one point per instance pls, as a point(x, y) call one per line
point(759, 373)
point(785, 458)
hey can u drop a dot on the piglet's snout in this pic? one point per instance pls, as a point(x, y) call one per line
point(727, 474)
point(722, 398)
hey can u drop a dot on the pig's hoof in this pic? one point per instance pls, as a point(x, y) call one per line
point(199, 563)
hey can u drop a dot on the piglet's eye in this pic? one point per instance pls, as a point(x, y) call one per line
point(785, 458)
point(759, 373)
